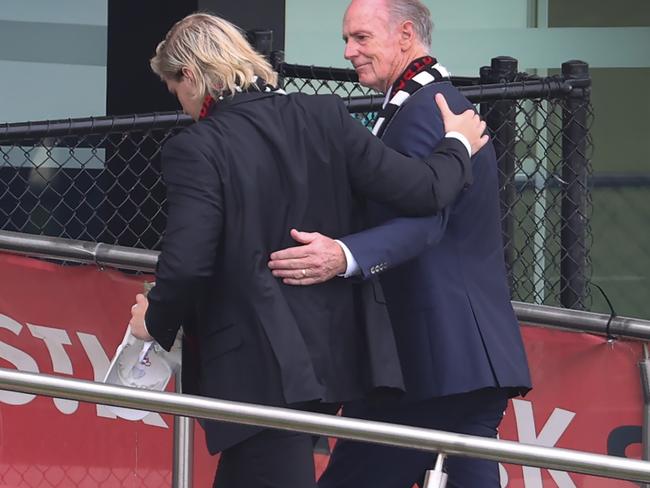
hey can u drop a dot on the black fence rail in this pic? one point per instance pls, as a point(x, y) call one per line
point(99, 178)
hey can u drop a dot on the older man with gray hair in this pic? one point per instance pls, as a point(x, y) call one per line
point(443, 277)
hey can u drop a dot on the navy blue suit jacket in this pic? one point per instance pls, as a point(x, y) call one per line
point(444, 276)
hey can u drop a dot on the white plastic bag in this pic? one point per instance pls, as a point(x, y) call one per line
point(140, 364)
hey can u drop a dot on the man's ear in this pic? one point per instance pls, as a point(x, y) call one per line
point(407, 35)
point(187, 73)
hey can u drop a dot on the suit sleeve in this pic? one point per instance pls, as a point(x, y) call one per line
point(414, 187)
point(415, 131)
point(189, 246)
point(395, 242)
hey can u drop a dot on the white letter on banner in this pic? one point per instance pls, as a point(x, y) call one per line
point(548, 437)
point(54, 340)
point(503, 476)
point(100, 362)
point(20, 359)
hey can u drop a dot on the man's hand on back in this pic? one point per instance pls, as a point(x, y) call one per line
point(319, 259)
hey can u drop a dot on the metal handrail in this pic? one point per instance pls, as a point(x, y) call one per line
point(328, 425)
point(59, 248)
point(582, 321)
point(143, 260)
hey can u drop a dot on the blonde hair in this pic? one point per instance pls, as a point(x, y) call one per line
point(215, 51)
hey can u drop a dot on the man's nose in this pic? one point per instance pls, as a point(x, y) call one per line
point(350, 51)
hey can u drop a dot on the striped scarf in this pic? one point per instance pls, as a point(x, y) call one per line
point(421, 72)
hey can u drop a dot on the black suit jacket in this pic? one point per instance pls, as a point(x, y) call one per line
point(237, 182)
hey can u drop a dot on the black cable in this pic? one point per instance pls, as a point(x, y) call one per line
point(612, 313)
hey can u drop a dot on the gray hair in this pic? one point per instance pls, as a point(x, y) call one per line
point(414, 11)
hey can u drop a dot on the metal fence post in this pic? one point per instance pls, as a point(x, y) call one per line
point(277, 62)
point(500, 118)
point(575, 133)
point(183, 454)
point(644, 368)
point(261, 40)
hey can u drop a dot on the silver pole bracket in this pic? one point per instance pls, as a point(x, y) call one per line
point(436, 478)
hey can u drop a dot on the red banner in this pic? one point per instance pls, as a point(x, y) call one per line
point(68, 320)
point(587, 396)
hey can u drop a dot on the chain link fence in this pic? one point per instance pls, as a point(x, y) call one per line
point(620, 248)
point(89, 179)
point(47, 476)
point(363, 103)
point(99, 179)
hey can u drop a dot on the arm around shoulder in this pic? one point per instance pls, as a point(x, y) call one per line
point(410, 185)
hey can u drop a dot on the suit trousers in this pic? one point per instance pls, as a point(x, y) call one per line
point(361, 465)
point(272, 458)
point(269, 459)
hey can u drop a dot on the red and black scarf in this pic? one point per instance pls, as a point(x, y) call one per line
point(421, 72)
point(258, 85)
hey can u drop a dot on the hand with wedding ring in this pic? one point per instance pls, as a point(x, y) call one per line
point(318, 259)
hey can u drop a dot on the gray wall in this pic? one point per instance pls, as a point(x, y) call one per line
point(52, 59)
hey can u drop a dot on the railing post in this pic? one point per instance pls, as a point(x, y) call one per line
point(575, 132)
point(261, 40)
point(500, 118)
point(436, 478)
point(183, 454)
point(277, 62)
point(644, 368)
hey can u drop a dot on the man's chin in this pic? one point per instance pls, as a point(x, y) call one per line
point(365, 80)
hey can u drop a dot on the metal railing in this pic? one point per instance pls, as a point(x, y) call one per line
point(77, 251)
point(328, 425)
